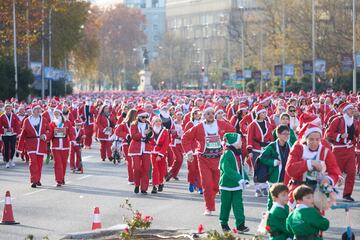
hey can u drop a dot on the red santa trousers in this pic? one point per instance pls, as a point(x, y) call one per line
point(158, 170)
point(60, 163)
point(141, 165)
point(35, 167)
point(178, 160)
point(75, 152)
point(170, 157)
point(210, 176)
point(129, 163)
point(105, 149)
point(88, 131)
point(345, 158)
point(193, 176)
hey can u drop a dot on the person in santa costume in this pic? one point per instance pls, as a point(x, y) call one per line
point(158, 156)
point(176, 147)
point(285, 120)
point(49, 113)
point(60, 136)
point(123, 132)
point(310, 161)
point(104, 130)
point(76, 145)
point(33, 137)
point(258, 137)
point(87, 112)
point(9, 130)
point(193, 176)
point(342, 134)
point(168, 123)
point(140, 150)
point(199, 104)
point(207, 135)
point(21, 114)
point(233, 181)
point(294, 121)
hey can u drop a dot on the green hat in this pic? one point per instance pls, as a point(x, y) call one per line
point(232, 138)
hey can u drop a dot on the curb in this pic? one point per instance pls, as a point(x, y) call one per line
point(97, 233)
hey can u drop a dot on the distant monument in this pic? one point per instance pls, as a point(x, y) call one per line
point(145, 75)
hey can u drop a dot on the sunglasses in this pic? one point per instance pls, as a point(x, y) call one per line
point(144, 117)
point(292, 110)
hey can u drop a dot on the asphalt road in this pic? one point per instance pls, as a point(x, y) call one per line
point(53, 212)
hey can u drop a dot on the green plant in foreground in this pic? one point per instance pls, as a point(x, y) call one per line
point(137, 221)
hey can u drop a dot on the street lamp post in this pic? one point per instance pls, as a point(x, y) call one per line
point(283, 48)
point(15, 48)
point(313, 43)
point(354, 47)
point(50, 51)
point(242, 46)
point(42, 53)
point(261, 57)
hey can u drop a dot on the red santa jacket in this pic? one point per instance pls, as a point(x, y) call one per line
point(137, 145)
point(62, 143)
point(245, 122)
point(324, 111)
point(74, 112)
point(12, 123)
point(48, 115)
point(336, 129)
point(197, 134)
point(78, 135)
point(187, 118)
point(175, 138)
point(123, 132)
point(255, 136)
point(30, 139)
point(231, 111)
point(104, 127)
point(87, 118)
point(161, 142)
point(298, 164)
point(69, 117)
point(330, 116)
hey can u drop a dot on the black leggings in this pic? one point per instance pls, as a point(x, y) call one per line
point(9, 147)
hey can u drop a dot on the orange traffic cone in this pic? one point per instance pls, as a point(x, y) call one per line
point(8, 217)
point(96, 221)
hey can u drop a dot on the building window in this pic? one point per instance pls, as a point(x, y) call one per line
point(156, 38)
point(156, 17)
point(155, 27)
point(155, 3)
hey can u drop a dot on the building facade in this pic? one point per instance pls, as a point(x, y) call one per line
point(154, 11)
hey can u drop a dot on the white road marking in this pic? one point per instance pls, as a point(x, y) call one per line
point(86, 157)
point(31, 193)
point(83, 177)
point(1, 201)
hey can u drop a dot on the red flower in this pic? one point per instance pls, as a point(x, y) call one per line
point(200, 228)
point(126, 230)
point(235, 230)
point(268, 228)
point(148, 219)
point(138, 215)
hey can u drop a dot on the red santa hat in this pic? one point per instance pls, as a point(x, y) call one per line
point(219, 109)
point(308, 118)
point(148, 104)
point(308, 129)
point(195, 109)
point(58, 109)
point(142, 113)
point(345, 106)
point(259, 109)
point(243, 107)
point(179, 112)
point(8, 104)
point(265, 98)
point(35, 106)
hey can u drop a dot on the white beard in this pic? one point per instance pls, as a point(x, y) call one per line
point(348, 120)
point(58, 121)
point(157, 129)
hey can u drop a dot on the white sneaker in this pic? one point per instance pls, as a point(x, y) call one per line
point(12, 163)
point(207, 213)
point(7, 165)
point(130, 183)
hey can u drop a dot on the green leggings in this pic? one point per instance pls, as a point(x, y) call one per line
point(232, 199)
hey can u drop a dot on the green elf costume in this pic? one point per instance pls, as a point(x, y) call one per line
point(274, 151)
point(306, 222)
point(276, 222)
point(292, 138)
point(233, 179)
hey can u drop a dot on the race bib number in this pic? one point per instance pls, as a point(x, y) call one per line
point(213, 142)
point(8, 132)
point(60, 132)
point(108, 131)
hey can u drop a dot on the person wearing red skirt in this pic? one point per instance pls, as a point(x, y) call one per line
point(61, 135)
point(105, 124)
point(158, 157)
point(123, 132)
point(75, 148)
point(140, 150)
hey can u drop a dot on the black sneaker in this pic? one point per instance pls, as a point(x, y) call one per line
point(161, 187)
point(154, 190)
point(33, 185)
point(38, 184)
point(225, 228)
point(348, 198)
point(168, 177)
point(242, 228)
point(136, 190)
point(143, 192)
point(58, 185)
point(176, 178)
